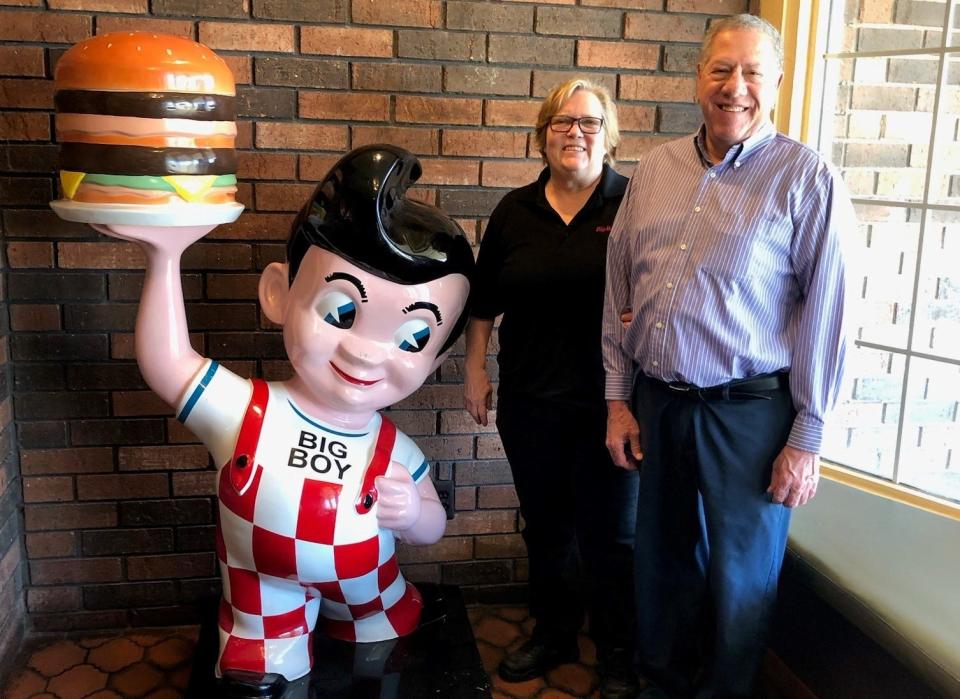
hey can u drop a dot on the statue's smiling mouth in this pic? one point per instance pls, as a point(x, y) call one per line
point(352, 379)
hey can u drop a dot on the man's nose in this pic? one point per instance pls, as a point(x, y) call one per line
point(735, 84)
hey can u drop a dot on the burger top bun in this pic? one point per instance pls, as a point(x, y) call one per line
point(143, 62)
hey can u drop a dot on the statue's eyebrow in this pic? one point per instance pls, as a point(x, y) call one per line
point(350, 278)
point(432, 307)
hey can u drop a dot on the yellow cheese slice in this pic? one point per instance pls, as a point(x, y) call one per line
point(70, 180)
point(191, 187)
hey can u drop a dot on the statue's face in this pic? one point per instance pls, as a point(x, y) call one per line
point(359, 343)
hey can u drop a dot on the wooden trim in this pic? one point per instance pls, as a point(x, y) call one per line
point(891, 491)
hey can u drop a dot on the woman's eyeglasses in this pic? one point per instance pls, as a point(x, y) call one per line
point(562, 124)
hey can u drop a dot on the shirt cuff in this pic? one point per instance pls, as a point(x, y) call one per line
point(618, 387)
point(806, 435)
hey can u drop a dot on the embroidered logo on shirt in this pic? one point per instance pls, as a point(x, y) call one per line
point(604, 229)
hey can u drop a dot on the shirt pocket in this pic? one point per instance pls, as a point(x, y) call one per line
point(729, 249)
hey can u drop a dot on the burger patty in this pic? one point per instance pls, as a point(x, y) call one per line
point(153, 105)
point(138, 160)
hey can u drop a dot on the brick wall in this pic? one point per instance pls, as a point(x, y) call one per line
point(12, 557)
point(118, 496)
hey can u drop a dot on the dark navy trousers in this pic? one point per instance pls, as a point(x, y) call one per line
point(709, 543)
point(579, 519)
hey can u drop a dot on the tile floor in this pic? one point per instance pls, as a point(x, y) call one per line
point(155, 663)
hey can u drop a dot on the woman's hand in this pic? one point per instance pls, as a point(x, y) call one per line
point(477, 393)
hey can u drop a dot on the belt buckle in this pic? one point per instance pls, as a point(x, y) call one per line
point(680, 387)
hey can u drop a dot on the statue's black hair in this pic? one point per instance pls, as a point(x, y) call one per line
point(361, 213)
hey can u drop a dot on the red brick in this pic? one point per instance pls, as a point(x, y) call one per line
point(465, 498)
point(491, 144)
point(656, 88)
point(24, 126)
point(449, 548)
point(511, 112)
point(282, 197)
point(433, 397)
point(241, 67)
point(247, 36)
point(419, 141)
point(655, 26)
point(450, 172)
point(21, 60)
point(545, 80)
point(347, 41)
point(61, 461)
point(618, 54)
point(99, 256)
point(266, 166)
point(23, 254)
point(398, 13)
point(497, 497)
point(397, 77)
point(244, 138)
point(630, 4)
point(163, 458)
point(48, 489)
point(489, 447)
point(632, 147)
point(711, 7)
point(195, 483)
point(51, 544)
point(116, 486)
point(53, 599)
point(47, 27)
point(500, 546)
point(300, 136)
point(438, 110)
point(489, 17)
point(253, 226)
point(486, 80)
point(499, 173)
point(138, 403)
point(435, 45)
point(75, 570)
point(181, 565)
point(232, 286)
point(26, 94)
point(635, 117)
point(107, 24)
point(35, 317)
point(483, 522)
point(579, 21)
point(316, 167)
point(344, 106)
point(415, 422)
point(128, 6)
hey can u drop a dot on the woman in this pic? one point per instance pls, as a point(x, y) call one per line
point(541, 265)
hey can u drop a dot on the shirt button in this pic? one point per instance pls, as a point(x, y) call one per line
point(683, 246)
point(669, 285)
point(696, 209)
point(713, 175)
point(737, 164)
point(655, 363)
point(659, 325)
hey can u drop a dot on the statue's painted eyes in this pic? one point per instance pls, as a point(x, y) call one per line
point(413, 335)
point(337, 309)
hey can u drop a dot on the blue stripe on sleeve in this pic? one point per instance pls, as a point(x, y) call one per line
point(420, 471)
point(198, 391)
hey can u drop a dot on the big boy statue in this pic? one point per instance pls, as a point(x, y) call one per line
point(314, 484)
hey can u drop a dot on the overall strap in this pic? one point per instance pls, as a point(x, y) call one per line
point(378, 465)
point(241, 465)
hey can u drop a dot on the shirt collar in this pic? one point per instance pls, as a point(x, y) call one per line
point(738, 153)
point(610, 185)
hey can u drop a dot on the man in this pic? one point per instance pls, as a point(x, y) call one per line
point(726, 248)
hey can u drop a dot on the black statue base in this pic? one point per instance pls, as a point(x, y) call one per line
point(439, 659)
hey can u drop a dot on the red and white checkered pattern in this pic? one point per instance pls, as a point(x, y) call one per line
point(289, 549)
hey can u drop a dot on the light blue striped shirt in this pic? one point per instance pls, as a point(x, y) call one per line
point(732, 270)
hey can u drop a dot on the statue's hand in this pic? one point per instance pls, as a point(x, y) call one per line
point(398, 507)
point(172, 240)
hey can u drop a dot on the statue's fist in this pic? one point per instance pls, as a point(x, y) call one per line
point(398, 506)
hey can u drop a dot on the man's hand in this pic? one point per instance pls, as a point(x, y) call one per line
point(398, 504)
point(795, 477)
point(477, 394)
point(623, 435)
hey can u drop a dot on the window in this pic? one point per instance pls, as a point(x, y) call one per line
point(885, 108)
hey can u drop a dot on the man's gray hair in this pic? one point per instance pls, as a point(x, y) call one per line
point(743, 22)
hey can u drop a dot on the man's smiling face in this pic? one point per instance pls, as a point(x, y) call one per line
point(736, 87)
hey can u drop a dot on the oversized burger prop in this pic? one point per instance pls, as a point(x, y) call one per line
point(146, 126)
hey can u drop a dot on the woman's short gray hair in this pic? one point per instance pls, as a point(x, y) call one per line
point(743, 22)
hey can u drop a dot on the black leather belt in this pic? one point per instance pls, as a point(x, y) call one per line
point(751, 388)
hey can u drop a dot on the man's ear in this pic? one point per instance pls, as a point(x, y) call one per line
point(273, 291)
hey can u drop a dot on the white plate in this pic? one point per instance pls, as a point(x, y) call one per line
point(143, 215)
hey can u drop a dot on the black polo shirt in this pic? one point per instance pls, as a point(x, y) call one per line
point(547, 279)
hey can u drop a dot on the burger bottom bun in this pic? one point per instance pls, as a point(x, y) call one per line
point(145, 215)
